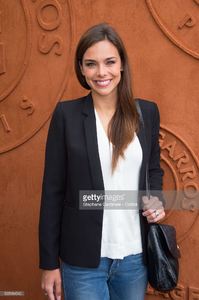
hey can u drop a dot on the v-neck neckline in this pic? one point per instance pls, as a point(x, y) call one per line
point(101, 125)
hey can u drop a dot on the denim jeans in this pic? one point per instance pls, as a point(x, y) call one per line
point(113, 279)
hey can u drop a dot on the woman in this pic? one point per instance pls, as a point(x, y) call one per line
point(97, 143)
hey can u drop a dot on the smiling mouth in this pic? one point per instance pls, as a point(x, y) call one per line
point(102, 83)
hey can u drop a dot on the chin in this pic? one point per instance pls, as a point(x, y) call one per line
point(103, 93)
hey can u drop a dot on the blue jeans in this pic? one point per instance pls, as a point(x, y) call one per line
point(113, 279)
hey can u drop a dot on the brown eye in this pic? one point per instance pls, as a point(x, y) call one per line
point(89, 64)
point(110, 62)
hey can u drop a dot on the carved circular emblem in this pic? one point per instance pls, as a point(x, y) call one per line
point(13, 60)
point(35, 48)
point(179, 22)
point(181, 181)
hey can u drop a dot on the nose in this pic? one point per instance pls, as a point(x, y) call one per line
point(101, 71)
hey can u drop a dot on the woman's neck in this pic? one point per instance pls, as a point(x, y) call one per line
point(105, 104)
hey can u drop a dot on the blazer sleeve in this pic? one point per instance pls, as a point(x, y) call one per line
point(53, 192)
point(155, 171)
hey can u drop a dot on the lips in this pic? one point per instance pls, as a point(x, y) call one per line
point(102, 83)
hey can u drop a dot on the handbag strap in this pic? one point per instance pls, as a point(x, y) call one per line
point(148, 188)
point(147, 169)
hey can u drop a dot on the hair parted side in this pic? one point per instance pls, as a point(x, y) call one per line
point(125, 121)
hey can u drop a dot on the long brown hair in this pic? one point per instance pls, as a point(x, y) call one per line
point(124, 122)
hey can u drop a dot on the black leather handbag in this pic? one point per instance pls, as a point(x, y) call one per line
point(163, 254)
point(162, 249)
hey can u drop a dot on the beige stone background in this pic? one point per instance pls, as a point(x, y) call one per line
point(37, 42)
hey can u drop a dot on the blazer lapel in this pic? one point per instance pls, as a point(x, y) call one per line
point(92, 145)
point(141, 137)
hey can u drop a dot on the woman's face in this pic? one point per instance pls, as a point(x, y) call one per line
point(101, 66)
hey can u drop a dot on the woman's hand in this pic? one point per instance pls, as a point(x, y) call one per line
point(51, 284)
point(153, 209)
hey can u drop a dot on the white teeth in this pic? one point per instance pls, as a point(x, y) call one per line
point(103, 82)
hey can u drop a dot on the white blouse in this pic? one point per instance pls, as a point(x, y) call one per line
point(121, 227)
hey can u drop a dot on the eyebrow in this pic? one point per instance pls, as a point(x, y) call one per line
point(92, 60)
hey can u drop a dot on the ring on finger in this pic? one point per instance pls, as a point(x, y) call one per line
point(156, 213)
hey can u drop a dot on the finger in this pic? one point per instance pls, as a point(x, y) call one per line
point(145, 200)
point(152, 214)
point(44, 289)
point(153, 203)
point(49, 291)
point(155, 219)
point(58, 289)
point(147, 213)
point(156, 204)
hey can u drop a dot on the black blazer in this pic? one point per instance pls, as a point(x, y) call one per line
point(72, 164)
